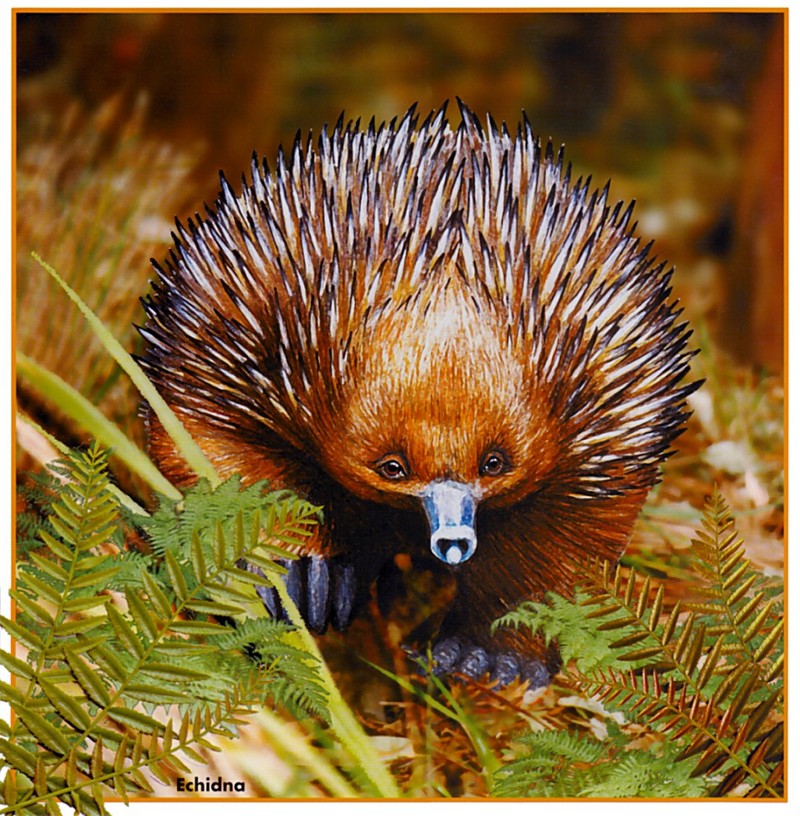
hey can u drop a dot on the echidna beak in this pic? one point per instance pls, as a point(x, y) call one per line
point(450, 508)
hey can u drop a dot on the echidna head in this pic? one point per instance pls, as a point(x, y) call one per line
point(442, 416)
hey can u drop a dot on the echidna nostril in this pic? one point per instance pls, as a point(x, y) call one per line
point(453, 550)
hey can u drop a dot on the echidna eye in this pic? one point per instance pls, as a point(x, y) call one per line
point(494, 464)
point(392, 469)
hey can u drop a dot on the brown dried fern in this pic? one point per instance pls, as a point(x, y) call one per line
point(709, 673)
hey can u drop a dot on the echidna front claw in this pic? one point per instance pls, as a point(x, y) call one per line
point(458, 656)
point(344, 593)
point(474, 663)
point(269, 598)
point(506, 668)
point(445, 654)
point(318, 595)
point(323, 590)
point(536, 673)
point(295, 583)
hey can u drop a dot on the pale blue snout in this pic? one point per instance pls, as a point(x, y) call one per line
point(450, 507)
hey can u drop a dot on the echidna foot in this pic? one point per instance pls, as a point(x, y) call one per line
point(456, 655)
point(323, 590)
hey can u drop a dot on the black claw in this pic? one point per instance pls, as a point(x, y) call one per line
point(318, 586)
point(269, 597)
point(294, 583)
point(506, 669)
point(445, 654)
point(344, 593)
point(323, 590)
point(455, 655)
point(535, 672)
point(475, 663)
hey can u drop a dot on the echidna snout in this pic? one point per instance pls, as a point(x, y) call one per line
point(450, 510)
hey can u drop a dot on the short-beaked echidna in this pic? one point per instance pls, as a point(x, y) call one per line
point(439, 337)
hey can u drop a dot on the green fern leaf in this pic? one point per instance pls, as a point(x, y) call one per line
point(709, 682)
point(91, 664)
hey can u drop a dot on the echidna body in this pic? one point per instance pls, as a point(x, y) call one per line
point(442, 339)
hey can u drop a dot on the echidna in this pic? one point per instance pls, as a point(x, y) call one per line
point(445, 342)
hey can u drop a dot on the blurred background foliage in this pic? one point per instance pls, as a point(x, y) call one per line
point(123, 121)
point(683, 110)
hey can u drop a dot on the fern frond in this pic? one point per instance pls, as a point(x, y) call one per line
point(555, 764)
point(741, 602)
point(691, 722)
point(174, 523)
point(571, 764)
point(37, 492)
point(706, 675)
point(655, 773)
point(83, 779)
point(579, 636)
point(714, 681)
point(102, 669)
